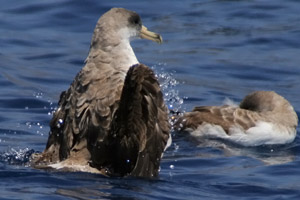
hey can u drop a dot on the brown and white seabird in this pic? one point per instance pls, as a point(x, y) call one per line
point(263, 117)
point(113, 119)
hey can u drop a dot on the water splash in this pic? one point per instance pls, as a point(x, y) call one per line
point(17, 156)
point(172, 99)
point(36, 126)
point(38, 95)
point(168, 85)
point(51, 107)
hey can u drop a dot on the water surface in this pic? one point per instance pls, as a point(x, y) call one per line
point(212, 50)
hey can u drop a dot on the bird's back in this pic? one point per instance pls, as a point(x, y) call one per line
point(121, 133)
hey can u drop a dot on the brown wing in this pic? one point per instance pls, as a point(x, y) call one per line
point(84, 114)
point(125, 141)
point(225, 116)
point(140, 127)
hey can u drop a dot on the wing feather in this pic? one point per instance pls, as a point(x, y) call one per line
point(125, 129)
point(224, 116)
point(87, 105)
point(140, 126)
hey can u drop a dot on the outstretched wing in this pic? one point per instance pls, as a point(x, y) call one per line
point(140, 127)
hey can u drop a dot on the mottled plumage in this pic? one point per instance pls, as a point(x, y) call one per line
point(259, 113)
point(102, 124)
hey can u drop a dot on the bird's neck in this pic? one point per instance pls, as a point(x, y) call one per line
point(118, 55)
point(124, 56)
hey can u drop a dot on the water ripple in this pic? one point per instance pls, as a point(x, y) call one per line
point(44, 56)
point(21, 103)
point(212, 49)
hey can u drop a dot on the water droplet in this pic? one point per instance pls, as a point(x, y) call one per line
point(176, 146)
point(168, 84)
point(172, 166)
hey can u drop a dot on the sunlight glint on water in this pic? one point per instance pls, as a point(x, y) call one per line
point(217, 49)
point(168, 86)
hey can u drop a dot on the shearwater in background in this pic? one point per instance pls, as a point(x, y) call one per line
point(113, 119)
point(263, 117)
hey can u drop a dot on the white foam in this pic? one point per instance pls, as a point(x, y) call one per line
point(261, 133)
point(229, 102)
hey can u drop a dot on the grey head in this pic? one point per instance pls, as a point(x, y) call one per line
point(264, 101)
point(272, 106)
point(120, 24)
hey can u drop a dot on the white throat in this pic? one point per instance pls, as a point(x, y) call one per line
point(125, 56)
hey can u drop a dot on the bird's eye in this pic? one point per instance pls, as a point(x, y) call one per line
point(135, 20)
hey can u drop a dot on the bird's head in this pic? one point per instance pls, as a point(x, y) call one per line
point(124, 24)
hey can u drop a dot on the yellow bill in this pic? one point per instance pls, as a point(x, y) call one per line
point(145, 34)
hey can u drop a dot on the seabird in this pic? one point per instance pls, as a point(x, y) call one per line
point(263, 117)
point(113, 119)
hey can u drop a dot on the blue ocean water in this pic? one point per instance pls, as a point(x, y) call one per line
point(212, 50)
